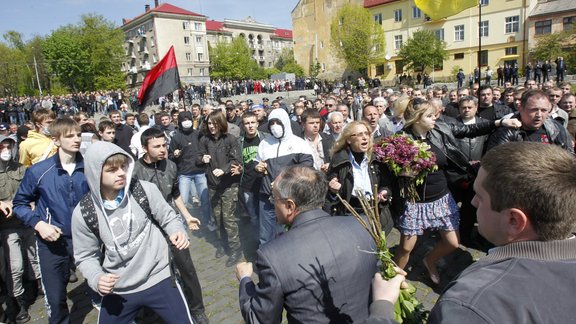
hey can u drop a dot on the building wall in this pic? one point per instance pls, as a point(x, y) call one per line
point(557, 25)
point(461, 53)
point(265, 45)
point(311, 21)
point(150, 38)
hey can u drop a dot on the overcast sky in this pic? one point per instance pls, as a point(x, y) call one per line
point(40, 17)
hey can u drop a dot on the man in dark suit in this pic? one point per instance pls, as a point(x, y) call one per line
point(320, 270)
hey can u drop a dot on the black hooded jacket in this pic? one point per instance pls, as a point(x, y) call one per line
point(185, 140)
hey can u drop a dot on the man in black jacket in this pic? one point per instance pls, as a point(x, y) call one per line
point(191, 178)
point(123, 133)
point(156, 168)
point(533, 112)
point(487, 109)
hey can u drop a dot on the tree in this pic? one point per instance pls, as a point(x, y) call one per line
point(87, 56)
point(293, 68)
point(231, 60)
point(315, 69)
point(423, 50)
point(16, 73)
point(549, 47)
point(356, 38)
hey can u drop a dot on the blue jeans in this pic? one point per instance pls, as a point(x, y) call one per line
point(251, 205)
point(185, 182)
point(269, 227)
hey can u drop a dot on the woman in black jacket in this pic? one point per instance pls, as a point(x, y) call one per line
point(353, 168)
point(436, 209)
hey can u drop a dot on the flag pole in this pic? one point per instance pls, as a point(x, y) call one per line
point(479, 41)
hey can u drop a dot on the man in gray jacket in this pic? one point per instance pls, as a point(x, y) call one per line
point(133, 270)
point(525, 200)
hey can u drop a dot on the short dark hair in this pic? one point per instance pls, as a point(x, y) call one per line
point(143, 119)
point(248, 114)
point(105, 124)
point(310, 113)
point(536, 93)
point(306, 186)
point(484, 87)
point(538, 179)
point(149, 134)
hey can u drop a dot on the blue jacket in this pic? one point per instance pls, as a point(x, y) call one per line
point(52, 190)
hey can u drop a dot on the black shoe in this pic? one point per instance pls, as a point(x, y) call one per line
point(220, 252)
point(73, 277)
point(200, 318)
point(40, 288)
point(22, 316)
point(235, 257)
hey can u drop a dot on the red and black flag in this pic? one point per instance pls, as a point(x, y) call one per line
point(161, 80)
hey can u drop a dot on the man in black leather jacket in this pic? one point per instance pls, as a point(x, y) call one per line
point(487, 109)
point(533, 112)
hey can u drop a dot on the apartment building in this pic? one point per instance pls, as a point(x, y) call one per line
point(150, 35)
point(266, 42)
point(494, 32)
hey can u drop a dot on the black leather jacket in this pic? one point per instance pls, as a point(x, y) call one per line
point(444, 135)
point(341, 168)
point(473, 148)
point(557, 134)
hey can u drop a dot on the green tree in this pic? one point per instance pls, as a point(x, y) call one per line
point(286, 57)
point(423, 50)
point(87, 56)
point(315, 69)
point(549, 47)
point(356, 38)
point(231, 60)
point(16, 73)
point(294, 68)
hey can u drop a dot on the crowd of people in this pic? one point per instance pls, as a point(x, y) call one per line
point(112, 198)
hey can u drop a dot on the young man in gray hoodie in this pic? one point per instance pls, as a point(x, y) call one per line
point(133, 269)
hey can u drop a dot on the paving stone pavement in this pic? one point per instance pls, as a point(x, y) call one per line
point(220, 287)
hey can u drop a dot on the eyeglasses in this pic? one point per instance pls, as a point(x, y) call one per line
point(330, 105)
point(365, 133)
point(272, 200)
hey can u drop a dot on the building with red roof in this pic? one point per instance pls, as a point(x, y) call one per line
point(266, 42)
point(150, 35)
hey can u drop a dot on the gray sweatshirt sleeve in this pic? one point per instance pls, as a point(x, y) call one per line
point(87, 252)
point(162, 211)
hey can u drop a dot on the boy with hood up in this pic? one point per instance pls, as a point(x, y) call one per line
point(133, 271)
point(275, 153)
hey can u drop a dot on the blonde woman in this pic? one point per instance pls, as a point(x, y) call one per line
point(436, 209)
point(354, 168)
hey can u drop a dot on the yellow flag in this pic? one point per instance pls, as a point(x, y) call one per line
point(438, 9)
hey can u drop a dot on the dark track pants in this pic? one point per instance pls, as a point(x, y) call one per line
point(164, 299)
point(55, 260)
point(190, 283)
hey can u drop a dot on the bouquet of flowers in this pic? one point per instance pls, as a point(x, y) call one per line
point(410, 160)
point(407, 310)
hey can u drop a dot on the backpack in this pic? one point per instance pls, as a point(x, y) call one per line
point(88, 211)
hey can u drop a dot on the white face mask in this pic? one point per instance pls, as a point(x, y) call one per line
point(45, 131)
point(277, 131)
point(6, 156)
point(187, 124)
